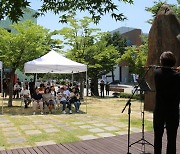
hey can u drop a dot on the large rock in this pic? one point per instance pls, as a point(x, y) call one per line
point(164, 35)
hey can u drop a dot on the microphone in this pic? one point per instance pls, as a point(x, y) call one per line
point(152, 66)
point(156, 67)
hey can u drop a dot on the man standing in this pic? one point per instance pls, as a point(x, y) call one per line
point(166, 112)
point(102, 88)
point(107, 88)
point(31, 87)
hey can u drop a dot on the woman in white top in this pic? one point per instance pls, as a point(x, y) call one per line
point(62, 96)
point(16, 90)
point(25, 94)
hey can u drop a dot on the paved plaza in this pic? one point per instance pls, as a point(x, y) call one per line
point(39, 130)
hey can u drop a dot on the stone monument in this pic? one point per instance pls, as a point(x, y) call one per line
point(164, 35)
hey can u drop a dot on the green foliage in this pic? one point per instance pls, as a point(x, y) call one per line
point(95, 8)
point(118, 41)
point(136, 57)
point(89, 46)
point(14, 9)
point(100, 58)
point(79, 35)
point(157, 4)
point(29, 42)
point(127, 95)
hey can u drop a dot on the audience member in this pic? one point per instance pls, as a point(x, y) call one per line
point(31, 87)
point(37, 100)
point(25, 94)
point(5, 88)
point(63, 96)
point(48, 100)
point(26, 83)
point(75, 99)
point(16, 90)
point(41, 89)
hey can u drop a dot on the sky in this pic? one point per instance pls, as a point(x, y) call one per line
point(136, 14)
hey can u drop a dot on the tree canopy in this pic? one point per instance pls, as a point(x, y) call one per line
point(29, 42)
point(88, 46)
point(14, 9)
point(136, 57)
point(157, 5)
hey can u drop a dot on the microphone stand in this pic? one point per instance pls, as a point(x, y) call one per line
point(129, 106)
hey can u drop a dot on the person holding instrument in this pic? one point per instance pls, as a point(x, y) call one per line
point(166, 112)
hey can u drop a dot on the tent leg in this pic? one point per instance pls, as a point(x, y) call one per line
point(86, 91)
point(22, 100)
point(2, 92)
point(36, 81)
point(72, 79)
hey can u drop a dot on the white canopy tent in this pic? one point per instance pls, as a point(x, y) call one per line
point(1, 66)
point(54, 62)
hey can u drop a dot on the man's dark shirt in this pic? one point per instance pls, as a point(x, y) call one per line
point(37, 96)
point(102, 86)
point(167, 83)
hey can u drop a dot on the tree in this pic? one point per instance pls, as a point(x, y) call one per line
point(136, 57)
point(79, 36)
point(29, 42)
point(88, 46)
point(14, 9)
point(119, 42)
point(100, 59)
point(157, 5)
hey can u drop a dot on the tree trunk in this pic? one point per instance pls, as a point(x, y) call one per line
point(95, 86)
point(112, 75)
point(11, 87)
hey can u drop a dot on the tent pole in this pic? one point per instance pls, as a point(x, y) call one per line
point(24, 78)
point(72, 79)
point(36, 80)
point(2, 92)
point(86, 90)
point(23, 88)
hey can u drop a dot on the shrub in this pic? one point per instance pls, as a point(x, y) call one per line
point(126, 95)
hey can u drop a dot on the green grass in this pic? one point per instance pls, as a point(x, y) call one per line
point(99, 110)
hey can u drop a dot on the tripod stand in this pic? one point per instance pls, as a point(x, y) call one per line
point(140, 83)
point(144, 87)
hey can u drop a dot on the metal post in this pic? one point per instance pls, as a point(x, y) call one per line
point(86, 90)
point(72, 79)
point(36, 80)
point(2, 91)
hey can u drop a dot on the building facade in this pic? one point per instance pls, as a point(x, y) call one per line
point(28, 15)
point(121, 71)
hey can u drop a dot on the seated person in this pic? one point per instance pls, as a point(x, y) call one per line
point(37, 100)
point(16, 90)
point(25, 94)
point(63, 97)
point(74, 98)
point(41, 89)
point(48, 99)
point(53, 93)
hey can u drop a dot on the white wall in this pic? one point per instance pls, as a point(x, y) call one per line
point(124, 74)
